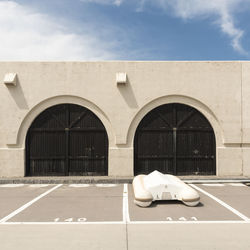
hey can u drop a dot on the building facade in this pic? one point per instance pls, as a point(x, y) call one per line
point(79, 118)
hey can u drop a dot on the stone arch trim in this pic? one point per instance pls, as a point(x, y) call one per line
point(18, 139)
point(204, 109)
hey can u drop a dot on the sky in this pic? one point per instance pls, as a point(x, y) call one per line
point(97, 30)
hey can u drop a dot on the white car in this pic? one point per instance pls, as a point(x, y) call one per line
point(158, 186)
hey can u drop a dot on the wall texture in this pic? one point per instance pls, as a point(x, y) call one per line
point(219, 90)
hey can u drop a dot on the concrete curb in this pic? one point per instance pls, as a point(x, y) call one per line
point(57, 180)
point(114, 180)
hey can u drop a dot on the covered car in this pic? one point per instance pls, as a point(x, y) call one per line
point(158, 186)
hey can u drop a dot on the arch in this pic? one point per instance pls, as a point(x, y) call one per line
point(177, 139)
point(201, 107)
point(18, 139)
point(66, 139)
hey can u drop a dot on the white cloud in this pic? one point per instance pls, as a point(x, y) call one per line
point(222, 11)
point(118, 2)
point(113, 2)
point(27, 35)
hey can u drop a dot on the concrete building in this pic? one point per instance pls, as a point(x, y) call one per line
point(82, 118)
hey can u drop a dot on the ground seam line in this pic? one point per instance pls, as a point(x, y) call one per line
point(17, 211)
point(233, 210)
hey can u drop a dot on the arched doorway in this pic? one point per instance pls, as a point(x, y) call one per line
point(176, 139)
point(66, 139)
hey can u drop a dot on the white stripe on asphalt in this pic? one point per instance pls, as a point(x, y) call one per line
point(28, 204)
point(38, 185)
point(192, 222)
point(214, 185)
point(242, 216)
point(237, 184)
point(106, 185)
point(79, 185)
point(126, 218)
point(11, 185)
point(97, 185)
point(64, 223)
point(216, 181)
point(131, 222)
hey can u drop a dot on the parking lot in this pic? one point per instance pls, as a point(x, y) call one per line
point(104, 215)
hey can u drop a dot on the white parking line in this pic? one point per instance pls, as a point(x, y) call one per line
point(214, 185)
point(223, 185)
point(17, 211)
point(65, 223)
point(192, 222)
point(106, 185)
point(237, 184)
point(11, 185)
point(126, 218)
point(79, 185)
point(130, 222)
point(38, 185)
point(242, 216)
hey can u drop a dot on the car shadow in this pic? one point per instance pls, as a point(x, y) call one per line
point(171, 203)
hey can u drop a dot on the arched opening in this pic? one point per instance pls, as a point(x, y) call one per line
point(66, 139)
point(175, 139)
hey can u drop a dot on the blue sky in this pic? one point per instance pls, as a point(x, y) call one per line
point(53, 30)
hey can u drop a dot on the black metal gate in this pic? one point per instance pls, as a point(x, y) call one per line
point(66, 139)
point(175, 139)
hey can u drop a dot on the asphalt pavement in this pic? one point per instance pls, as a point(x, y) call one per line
point(104, 216)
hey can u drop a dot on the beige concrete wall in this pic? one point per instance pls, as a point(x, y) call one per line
point(12, 162)
point(120, 161)
point(220, 90)
point(246, 161)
